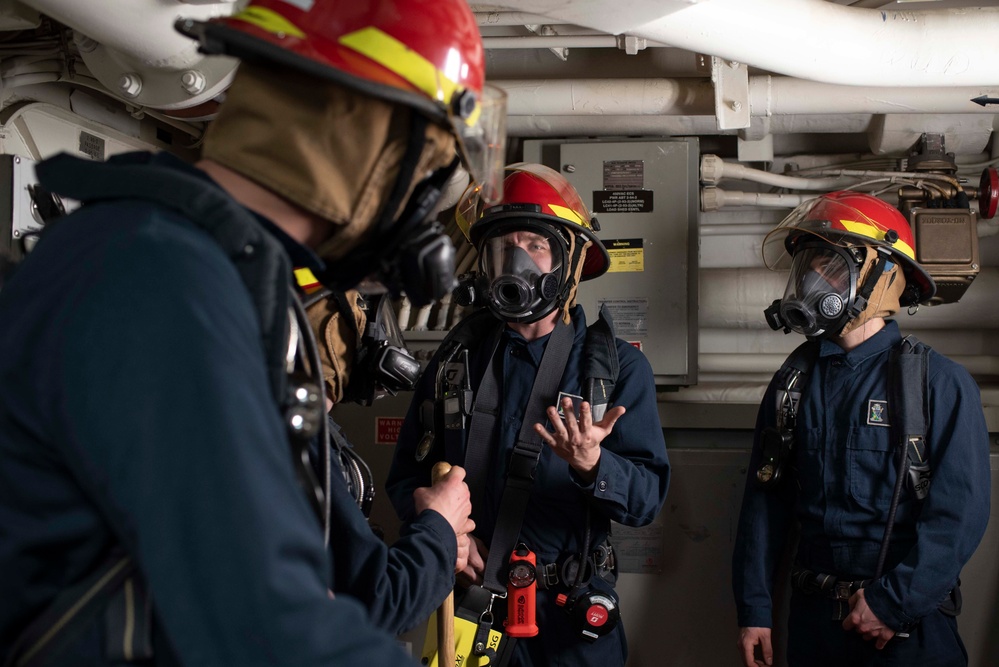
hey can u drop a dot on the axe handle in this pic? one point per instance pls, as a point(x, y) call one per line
point(445, 613)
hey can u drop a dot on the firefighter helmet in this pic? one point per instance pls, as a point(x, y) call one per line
point(846, 219)
point(425, 54)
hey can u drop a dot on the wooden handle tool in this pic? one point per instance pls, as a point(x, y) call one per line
point(445, 613)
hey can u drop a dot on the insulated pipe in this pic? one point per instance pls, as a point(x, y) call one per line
point(551, 42)
point(977, 364)
point(736, 298)
point(603, 125)
point(713, 199)
point(487, 19)
point(143, 29)
point(714, 169)
point(131, 47)
point(768, 96)
point(811, 39)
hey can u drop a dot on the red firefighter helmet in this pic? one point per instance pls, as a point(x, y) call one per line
point(426, 54)
point(536, 192)
point(846, 218)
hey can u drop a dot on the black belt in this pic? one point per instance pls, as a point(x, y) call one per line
point(829, 586)
point(826, 585)
point(600, 562)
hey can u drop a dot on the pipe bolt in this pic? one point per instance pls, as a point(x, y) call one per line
point(193, 82)
point(736, 105)
point(130, 85)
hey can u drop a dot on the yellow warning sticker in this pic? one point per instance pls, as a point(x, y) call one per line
point(626, 255)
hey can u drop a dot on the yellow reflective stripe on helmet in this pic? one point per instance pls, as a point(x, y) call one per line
point(567, 214)
point(396, 57)
point(269, 20)
point(872, 232)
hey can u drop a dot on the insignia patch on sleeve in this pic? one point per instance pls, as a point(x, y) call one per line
point(877, 413)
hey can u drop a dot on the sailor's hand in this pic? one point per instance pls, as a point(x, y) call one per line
point(749, 639)
point(449, 497)
point(475, 566)
point(862, 620)
point(577, 438)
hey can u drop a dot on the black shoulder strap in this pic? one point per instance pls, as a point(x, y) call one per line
point(792, 378)
point(526, 452)
point(912, 415)
point(600, 363)
point(907, 373)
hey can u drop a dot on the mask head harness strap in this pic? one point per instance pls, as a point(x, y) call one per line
point(884, 258)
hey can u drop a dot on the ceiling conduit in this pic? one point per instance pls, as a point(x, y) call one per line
point(811, 39)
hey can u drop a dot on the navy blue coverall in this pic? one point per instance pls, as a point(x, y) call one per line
point(630, 485)
point(139, 346)
point(840, 492)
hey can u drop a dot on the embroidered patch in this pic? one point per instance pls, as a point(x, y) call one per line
point(877, 413)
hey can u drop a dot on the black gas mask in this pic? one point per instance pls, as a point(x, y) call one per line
point(523, 269)
point(821, 293)
point(417, 258)
point(382, 364)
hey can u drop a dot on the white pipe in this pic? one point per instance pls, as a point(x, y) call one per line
point(551, 42)
point(604, 125)
point(736, 298)
point(488, 19)
point(714, 170)
point(810, 39)
point(978, 364)
point(715, 392)
point(713, 199)
point(141, 28)
point(768, 96)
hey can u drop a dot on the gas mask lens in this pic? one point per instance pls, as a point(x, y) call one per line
point(523, 270)
point(818, 291)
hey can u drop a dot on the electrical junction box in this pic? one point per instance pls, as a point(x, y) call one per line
point(947, 247)
point(644, 196)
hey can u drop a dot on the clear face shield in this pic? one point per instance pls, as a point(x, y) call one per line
point(482, 143)
point(820, 289)
point(523, 269)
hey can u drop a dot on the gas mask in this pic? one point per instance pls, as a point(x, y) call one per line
point(382, 365)
point(360, 346)
point(821, 291)
point(523, 269)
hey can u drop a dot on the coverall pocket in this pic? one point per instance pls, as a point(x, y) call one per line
point(871, 465)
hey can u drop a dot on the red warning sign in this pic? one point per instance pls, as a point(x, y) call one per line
point(387, 430)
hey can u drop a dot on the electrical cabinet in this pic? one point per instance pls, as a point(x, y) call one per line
point(644, 195)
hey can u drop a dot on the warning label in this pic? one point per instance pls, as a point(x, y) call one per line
point(626, 255)
point(622, 201)
point(631, 316)
point(387, 430)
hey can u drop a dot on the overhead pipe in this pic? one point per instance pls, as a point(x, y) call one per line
point(811, 39)
point(502, 19)
point(768, 96)
point(604, 125)
point(735, 298)
point(713, 199)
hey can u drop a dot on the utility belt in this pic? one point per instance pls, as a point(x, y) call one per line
point(829, 586)
point(838, 589)
point(601, 563)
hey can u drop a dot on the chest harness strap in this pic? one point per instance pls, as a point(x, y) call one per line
point(524, 459)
